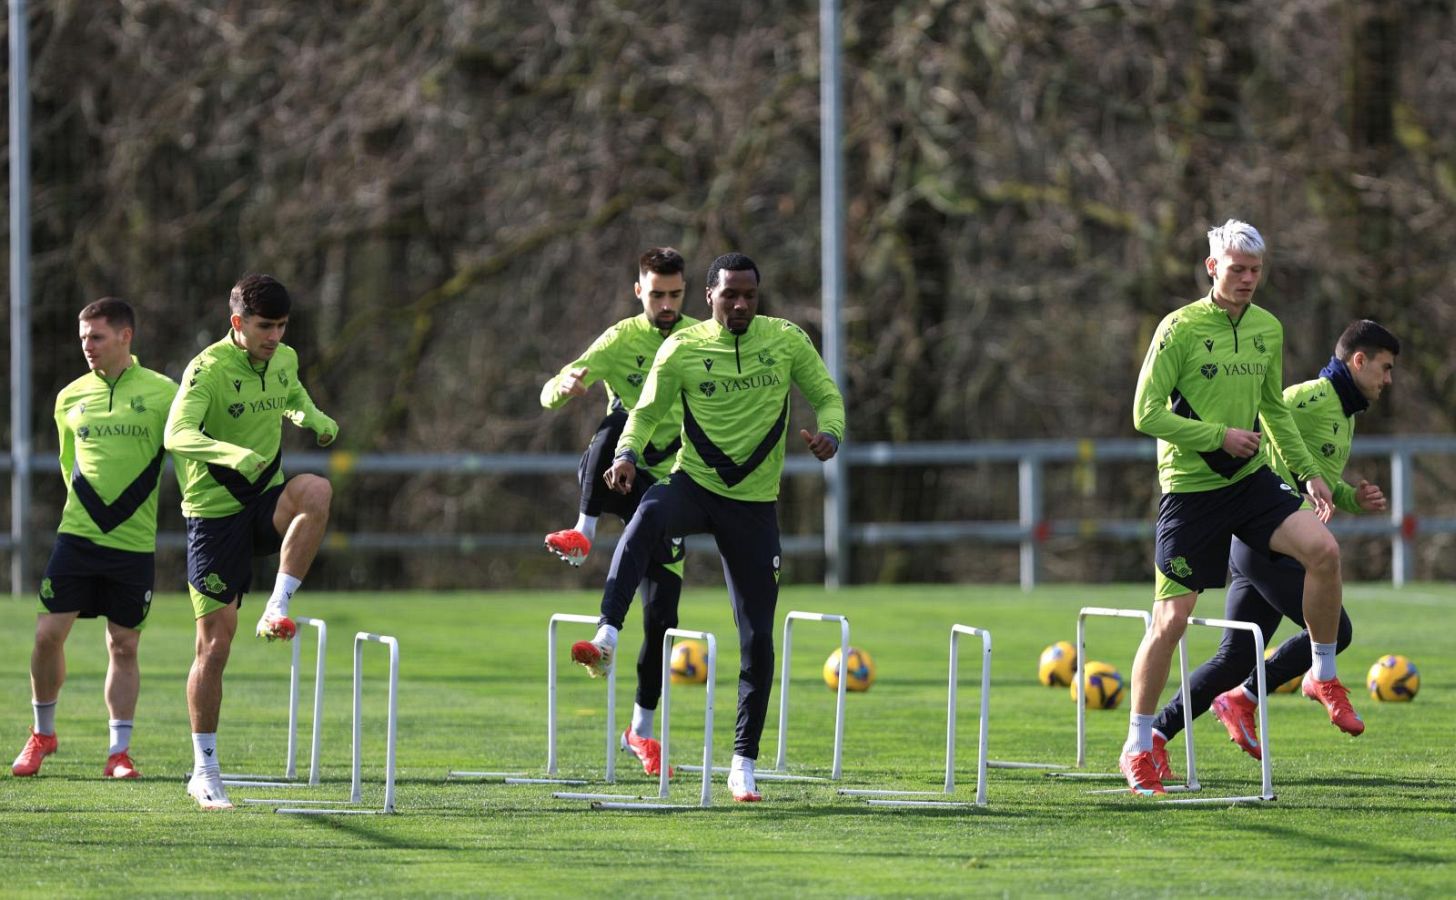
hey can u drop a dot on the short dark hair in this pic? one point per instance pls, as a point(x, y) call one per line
point(116, 311)
point(1367, 336)
point(260, 295)
point(733, 262)
point(661, 261)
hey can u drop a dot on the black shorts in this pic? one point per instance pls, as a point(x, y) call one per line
point(220, 551)
point(95, 581)
point(1194, 529)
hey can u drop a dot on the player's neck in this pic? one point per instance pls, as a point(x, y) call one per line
point(111, 373)
point(1234, 309)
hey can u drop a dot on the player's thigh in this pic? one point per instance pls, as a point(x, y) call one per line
point(747, 535)
point(1303, 536)
point(1273, 586)
point(301, 494)
point(219, 561)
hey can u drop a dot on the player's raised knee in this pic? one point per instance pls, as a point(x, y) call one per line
point(314, 493)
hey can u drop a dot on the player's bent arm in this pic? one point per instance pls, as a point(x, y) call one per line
point(812, 377)
point(594, 360)
point(1150, 412)
point(303, 413)
point(1280, 426)
point(184, 437)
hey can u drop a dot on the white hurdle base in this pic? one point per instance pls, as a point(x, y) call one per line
point(758, 776)
point(392, 736)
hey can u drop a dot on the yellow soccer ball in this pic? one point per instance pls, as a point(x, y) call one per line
point(1104, 686)
point(1058, 664)
point(1393, 678)
point(1289, 686)
point(689, 662)
point(859, 670)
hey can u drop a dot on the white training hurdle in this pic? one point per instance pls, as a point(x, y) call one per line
point(890, 798)
point(392, 736)
point(705, 792)
point(290, 769)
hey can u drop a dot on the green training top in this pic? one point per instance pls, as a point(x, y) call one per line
point(226, 426)
point(1205, 374)
point(111, 456)
point(1327, 432)
point(734, 392)
point(620, 357)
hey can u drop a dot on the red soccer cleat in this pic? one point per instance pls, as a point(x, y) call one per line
point(571, 545)
point(1238, 714)
point(596, 658)
point(36, 749)
point(1336, 699)
point(276, 628)
point(1141, 773)
point(1160, 759)
point(648, 750)
point(119, 765)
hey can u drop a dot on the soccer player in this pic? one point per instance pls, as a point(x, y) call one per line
point(620, 358)
point(224, 430)
point(1264, 589)
point(731, 377)
point(1213, 371)
point(110, 424)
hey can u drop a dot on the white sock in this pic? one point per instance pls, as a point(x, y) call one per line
point(1324, 660)
point(45, 717)
point(587, 525)
point(120, 735)
point(283, 590)
point(642, 721)
point(204, 753)
point(1139, 733)
point(741, 764)
point(606, 637)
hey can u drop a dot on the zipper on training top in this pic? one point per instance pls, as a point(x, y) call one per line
point(736, 359)
point(111, 388)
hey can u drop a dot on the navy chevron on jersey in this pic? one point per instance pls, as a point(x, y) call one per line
point(226, 426)
point(1204, 374)
point(111, 435)
point(734, 394)
point(620, 358)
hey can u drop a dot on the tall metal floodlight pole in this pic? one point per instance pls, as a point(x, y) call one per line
point(19, 295)
point(831, 263)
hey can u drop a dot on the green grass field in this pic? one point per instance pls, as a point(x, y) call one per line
point(1367, 817)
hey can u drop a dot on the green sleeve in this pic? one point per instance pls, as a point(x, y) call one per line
point(303, 413)
point(184, 435)
point(1156, 383)
point(1345, 496)
point(812, 377)
point(595, 359)
point(67, 440)
point(1279, 422)
point(659, 394)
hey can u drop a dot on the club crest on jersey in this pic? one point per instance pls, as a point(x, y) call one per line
point(235, 410)
point(765, 358)
point(1259, 343)
point(1208, 370)
point(635, 379)
point(283, 379)
point(708, 387)
point(138, 405)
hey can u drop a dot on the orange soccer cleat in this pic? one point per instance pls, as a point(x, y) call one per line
point(648, 750)
point(36, 749)
point(119, 765)
point(1141, 773)
point(1336, 699)
point(1239, 715)
point(570, 544)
